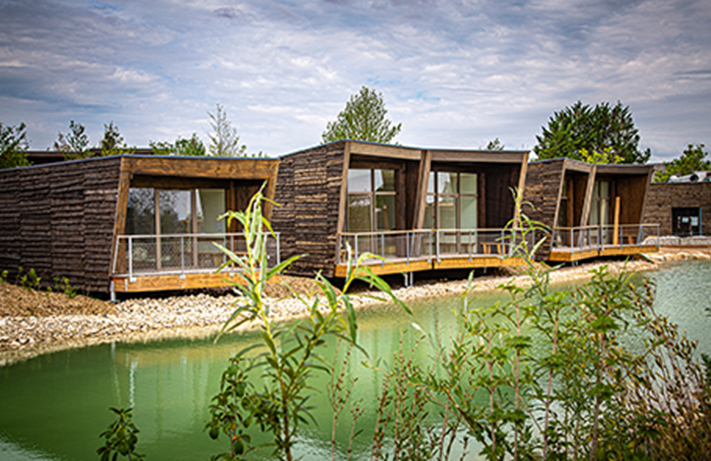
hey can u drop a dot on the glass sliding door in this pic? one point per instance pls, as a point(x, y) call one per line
point(372, 200)
point(452, 203)
point(372, 206)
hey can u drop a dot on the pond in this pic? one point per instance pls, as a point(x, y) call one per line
point(54, 407)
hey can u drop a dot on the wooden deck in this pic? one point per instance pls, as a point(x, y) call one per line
point(167, 282)
point(576, 254)
point(380, 267)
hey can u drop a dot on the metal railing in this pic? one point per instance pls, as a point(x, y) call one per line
point(584, 238)
point(391, 245)
point(429, 244)
point(172, 254)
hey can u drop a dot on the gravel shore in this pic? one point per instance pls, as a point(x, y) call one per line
point(147, 319)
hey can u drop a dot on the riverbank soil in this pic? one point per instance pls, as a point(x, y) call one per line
point(38, 322)
point(16, 301)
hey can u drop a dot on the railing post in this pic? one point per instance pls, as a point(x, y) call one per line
point(437, 245)
point(620, 235)
point(599, 238)
point(182, 257)
point(130, 259)
point(355, 239)
point(278, 249)
point(407, 247)
point(502, 240)
point(116, 253)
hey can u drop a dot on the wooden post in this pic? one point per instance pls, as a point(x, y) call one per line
point(616, 236)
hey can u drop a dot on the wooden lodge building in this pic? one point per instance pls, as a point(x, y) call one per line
point(416, 209)
point(127, 223)
point(591, 209)
point(137, 223)
point(680, 207)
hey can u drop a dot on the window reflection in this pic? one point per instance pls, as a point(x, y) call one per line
point(372, 200)
point(180, 211)
point(452, 201)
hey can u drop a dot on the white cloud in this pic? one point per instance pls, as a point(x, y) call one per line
point(455, 73)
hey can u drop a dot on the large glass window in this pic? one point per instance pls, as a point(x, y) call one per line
point(180, 211)
point(372, 200)
point(141, 212)
point(452, 201)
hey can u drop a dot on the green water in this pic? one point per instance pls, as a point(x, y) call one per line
point(54, 406)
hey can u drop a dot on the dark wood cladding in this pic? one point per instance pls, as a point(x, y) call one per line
point(62, 219)
point(308, 191)
point(312, 195)
point(543, 183)
point(499, 182)
point(59, 220)
point(665, 196)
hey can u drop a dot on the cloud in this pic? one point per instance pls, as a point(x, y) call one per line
point(455, 73)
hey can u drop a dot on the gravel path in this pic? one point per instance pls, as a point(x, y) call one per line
point(23, 337)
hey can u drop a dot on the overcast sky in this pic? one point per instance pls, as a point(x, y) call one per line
point(455, 73)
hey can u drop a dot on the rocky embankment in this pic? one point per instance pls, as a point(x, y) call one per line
point(41, 329)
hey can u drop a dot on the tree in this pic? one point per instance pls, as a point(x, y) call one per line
point(363, 119)
point(594, 129)
point(606, 156)
point(113, 143)
point(191, 147)
point(693, 159)
point(13, 146)
point(74, 144)
point(224, 141)
point(495, 145)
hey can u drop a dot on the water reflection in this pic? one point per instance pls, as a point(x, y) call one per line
point(54, 406)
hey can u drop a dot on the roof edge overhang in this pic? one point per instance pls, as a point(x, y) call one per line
point(414, 153)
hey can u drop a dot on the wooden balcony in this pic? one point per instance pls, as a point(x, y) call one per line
point(392, 252)
point(571, 244)
point(179, 261)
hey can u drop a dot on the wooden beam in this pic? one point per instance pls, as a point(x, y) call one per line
point(380, 150)
point(520, 190)
point(120, 214)
point(577, 165)
point(342, 205)
point(588, 198)
point(422, 180)
point(478, 156)
point(176, 282)
point(341, 270)
point(214, 168)
point(559, 195)
point(570, 256)
point(477, 262)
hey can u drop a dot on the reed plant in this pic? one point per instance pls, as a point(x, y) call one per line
point(586, 373)
point(289, 354)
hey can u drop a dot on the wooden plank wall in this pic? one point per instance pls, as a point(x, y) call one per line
point(58, 220)
point(663, 197)
point(500, 204)
point(543, 182)
point(308, 190)
point(631, 190)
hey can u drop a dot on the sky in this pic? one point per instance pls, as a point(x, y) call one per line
point(456, 74)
